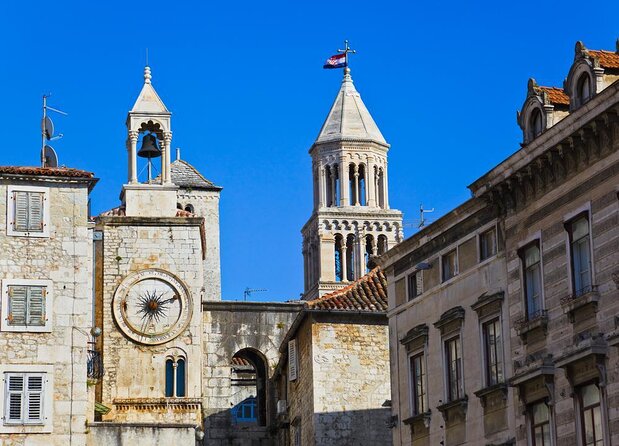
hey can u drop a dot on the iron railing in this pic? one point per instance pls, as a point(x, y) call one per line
point(95, 365)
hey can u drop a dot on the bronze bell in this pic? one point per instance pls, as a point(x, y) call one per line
point(149, 147)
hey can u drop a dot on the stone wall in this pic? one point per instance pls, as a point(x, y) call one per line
point(142, 434)
point(350, 364)
point(65, 259)
point(230, 328)
point(134, 381)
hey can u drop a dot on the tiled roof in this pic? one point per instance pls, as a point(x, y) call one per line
point(186, 176)
point(556, 95)
point(608, 59)
point(46, 171)
point(369, 293)
point(237, 361)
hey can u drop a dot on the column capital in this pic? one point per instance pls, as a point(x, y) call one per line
point(133, 135)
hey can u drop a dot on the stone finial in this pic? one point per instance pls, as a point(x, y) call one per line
point(147, 76)
point(580, 50)
point(531, 87)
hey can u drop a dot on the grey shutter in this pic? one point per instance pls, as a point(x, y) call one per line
point(17, 305)
point(34, 409)
point(14, 398)
point(36, 306)
point(35, 211)
point(20, 222)
point(293, 368)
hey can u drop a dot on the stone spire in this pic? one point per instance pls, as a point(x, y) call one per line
point(148, 101)
point(349, 118)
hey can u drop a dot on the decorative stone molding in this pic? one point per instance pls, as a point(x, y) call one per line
point(148, 404)
point(450, 319)
point(488, 303)
point(416, 337)
point(527, 325)
point(489, 392)
point(454, 409)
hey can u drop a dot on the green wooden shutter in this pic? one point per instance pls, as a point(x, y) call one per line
point(34, 394)
point(20, 217)
point(18, 297)
point(14, 398)
point(36, 306)
point(35, 211)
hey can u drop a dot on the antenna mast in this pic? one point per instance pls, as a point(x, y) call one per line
point(48, 155)
point(422, 213)
point(248, 291)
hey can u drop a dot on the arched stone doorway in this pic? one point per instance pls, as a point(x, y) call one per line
point(249, 387)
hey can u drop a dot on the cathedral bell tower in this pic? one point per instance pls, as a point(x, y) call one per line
point(351, 220)
point(149, 124)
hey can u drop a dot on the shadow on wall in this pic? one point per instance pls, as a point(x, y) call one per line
point(221, 430)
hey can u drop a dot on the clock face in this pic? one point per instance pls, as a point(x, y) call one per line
point(151, 306)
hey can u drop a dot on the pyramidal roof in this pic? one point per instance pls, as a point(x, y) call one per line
point(349, 118)
point(186, 176)
point(148, 101)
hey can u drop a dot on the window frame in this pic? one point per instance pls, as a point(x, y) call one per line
point(413, 397)
point(480, 235)
point(447, 368)
point(412, 285)
point(578, 398)
point(532, 425)
point(496, 317)
point(568, 225)
point(49, 297)
point(175, 359)
point(47, 410)
point(443, 256)
point(10, 211)
point(523, 278)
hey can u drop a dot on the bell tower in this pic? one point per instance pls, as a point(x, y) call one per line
point(351, 220)
point(149, 125)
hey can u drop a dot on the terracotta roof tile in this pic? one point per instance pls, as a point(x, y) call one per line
point(369, 293)
point(608, 59)
point(238, 361)
point(556, 95)
point(46, 171)
point(121, 212)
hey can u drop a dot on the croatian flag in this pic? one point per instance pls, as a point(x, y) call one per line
point(337, 61)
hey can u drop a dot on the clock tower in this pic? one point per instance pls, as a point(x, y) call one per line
point(154, 256)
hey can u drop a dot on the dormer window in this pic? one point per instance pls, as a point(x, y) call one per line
point(583, 89)
point(535, 124)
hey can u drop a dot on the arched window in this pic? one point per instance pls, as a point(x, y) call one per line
point(362, 186)
point(175, 377)
point(249, 381)
point(369, 251)
point(352, 185)
point(189, 208)
point(535, 124)
point(350, 257)
point(583, 89)
point(329, 186)
point(339, 275)
point(382, 244)
point(380, 188)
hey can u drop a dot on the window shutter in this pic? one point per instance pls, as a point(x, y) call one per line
point(14, 398)
point(419, 280)
point(292, 360)
point(21, 211)
point(35, 215)
point(36, 306)
point(35, 399)
point(17, 305)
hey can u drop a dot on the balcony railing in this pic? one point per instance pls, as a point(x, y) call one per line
point(95, 365)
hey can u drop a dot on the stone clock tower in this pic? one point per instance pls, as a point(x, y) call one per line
point(152, 259)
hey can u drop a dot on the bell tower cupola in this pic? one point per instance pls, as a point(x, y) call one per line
point(351, 219)
point(149, 190)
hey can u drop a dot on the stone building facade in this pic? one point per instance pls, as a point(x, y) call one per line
point(46, 305)
point(332, 379)
point(555, 283)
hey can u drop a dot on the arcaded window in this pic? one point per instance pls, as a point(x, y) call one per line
point(338, 258)
point(535, 124)
point(175, 377)
point(580, 254)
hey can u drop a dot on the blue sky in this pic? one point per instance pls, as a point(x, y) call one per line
point(244, 81)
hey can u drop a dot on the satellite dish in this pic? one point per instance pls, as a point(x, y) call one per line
point(47, 126)
point(51, 159)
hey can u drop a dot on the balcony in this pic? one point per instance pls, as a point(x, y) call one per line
point(587, 297)
point(95, 365)
point(525, 325)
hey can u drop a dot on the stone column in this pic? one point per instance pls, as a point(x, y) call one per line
point(386, 187)
point(343, 261)
point(133, 162)
point(356, 185)
point(167, 136)
point(369, 183)
point(344, 186)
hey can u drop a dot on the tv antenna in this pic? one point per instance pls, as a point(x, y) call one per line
point(422, 213)
point(248, 291)
point(49, 158)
